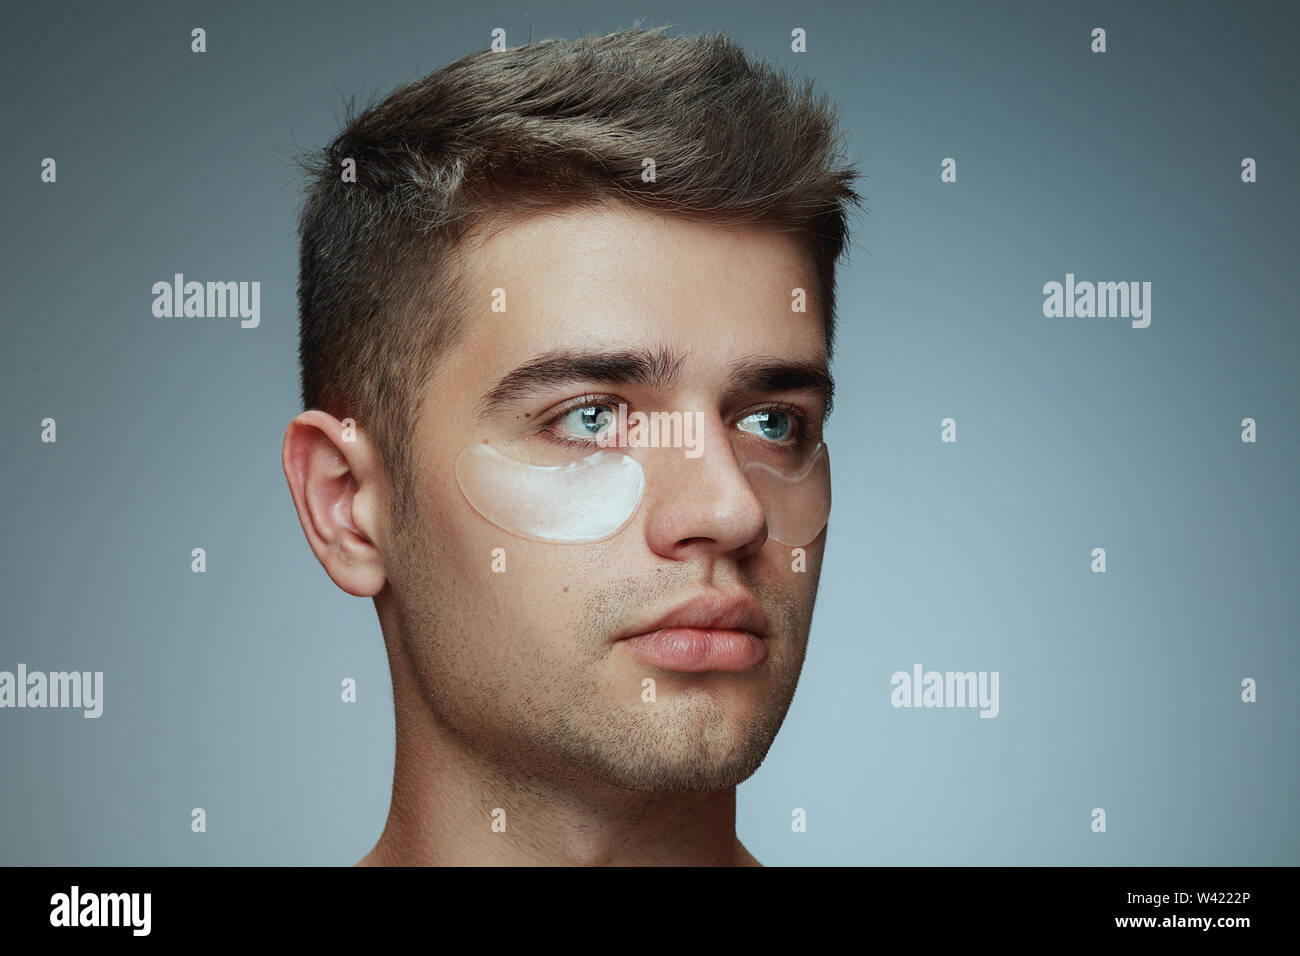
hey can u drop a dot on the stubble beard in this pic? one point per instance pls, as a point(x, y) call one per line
point(543, 723)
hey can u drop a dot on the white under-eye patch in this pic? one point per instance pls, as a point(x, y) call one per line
point(796, 503)
point(593, 498)
point(584, 501)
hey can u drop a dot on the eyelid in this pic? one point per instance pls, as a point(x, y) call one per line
point(802, 420)
point(550, 419)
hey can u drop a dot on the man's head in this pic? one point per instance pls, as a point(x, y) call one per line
point(531, 236)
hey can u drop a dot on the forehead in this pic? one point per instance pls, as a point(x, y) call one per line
point(616, 277)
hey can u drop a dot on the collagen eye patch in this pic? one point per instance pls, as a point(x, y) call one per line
point(593, 498)
point(796, 503)
point(584, 501)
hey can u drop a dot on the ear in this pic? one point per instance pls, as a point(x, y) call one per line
point(338, 484)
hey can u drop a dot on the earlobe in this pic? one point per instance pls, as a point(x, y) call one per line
point(332, 486)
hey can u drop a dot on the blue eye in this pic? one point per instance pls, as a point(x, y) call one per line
point(775, 426)
point(589, 421)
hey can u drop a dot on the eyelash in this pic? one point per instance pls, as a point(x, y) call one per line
point(547, 428)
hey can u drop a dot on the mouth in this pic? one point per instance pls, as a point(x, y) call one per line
point(711, 632)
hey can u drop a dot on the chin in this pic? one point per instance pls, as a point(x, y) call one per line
point(685, 753)
point(677, 777)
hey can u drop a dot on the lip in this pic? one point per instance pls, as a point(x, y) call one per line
point(709, 632)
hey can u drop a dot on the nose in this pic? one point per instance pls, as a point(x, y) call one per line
point(702, 505)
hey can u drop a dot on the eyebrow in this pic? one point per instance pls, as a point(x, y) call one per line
point(658, 369)
point(766, 375)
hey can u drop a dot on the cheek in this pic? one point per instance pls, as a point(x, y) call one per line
point(504, 586)
point(786, 578)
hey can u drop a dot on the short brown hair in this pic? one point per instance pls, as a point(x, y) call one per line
point(555, 122)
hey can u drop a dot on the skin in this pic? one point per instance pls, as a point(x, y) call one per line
point(510, 689)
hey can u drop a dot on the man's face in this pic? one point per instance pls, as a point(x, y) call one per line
point(526, 663)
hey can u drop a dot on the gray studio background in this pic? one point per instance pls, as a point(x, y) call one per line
point(1117, 690)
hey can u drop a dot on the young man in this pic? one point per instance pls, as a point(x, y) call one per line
point(594, 628)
